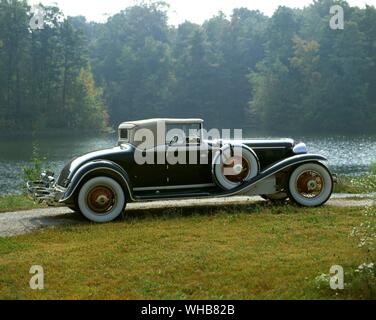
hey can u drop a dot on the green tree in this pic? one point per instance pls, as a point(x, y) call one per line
point(287, 72)
point(86, 103)
point(132, 60)
point(14, 37)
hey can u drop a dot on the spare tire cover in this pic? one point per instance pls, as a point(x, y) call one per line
point(233, 165)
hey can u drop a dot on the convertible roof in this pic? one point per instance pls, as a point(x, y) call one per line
point(154, 122)
point(156, 126)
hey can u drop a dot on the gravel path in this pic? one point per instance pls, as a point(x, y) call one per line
point(20, 222)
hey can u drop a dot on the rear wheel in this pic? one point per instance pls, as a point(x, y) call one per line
point(310, 185)
point(101, 199)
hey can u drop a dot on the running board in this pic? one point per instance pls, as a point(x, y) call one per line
point(173, 196)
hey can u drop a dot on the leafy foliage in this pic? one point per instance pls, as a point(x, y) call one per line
point(364, 277)
point(289, 72)
point(313, 78)
point(32, 172)
point(41, 80)
point(365, 233)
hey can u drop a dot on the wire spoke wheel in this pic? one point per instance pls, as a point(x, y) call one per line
point(310, 184)
point(101, 199)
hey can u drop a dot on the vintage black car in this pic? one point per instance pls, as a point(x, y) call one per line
point(160, 159)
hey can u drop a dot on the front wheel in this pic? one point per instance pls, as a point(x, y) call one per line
point(101, 199)
point(310, 185)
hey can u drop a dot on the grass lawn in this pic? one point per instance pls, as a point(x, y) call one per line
point(234, 252)
point(17, 202)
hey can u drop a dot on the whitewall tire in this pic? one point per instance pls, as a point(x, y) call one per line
point(101, 199)
point(310, 185)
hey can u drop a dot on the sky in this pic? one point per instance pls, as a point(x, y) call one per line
point(180, 10)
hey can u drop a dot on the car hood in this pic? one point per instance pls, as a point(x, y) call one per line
point(259, 143)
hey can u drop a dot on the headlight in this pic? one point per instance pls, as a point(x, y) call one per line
point(300, 148)
point(48, 177)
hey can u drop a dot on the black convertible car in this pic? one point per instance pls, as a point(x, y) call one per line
point(171, 159)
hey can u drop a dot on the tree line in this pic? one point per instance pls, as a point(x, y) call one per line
point(46, 80)
point(289, 72)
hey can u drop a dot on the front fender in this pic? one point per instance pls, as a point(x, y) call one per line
point(96, 168)
point(275, 168)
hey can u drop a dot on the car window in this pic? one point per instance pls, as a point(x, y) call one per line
point(124, 134)
point(183, 134)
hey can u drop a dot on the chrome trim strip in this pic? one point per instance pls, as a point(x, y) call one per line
point(179, 187)
point(267, 147)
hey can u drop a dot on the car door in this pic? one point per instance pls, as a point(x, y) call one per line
point(152, 173)
point(188, 160)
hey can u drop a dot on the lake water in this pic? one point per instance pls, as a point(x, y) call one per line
point(347, 155)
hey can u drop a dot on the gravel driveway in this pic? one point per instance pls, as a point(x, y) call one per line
point(20, 222)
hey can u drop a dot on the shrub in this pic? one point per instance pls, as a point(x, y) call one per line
point(373, 168)
point(366, 231)
point(365, 183)
point(360, 280)
point(363, 281)
point(33, 171)
point(364, 276)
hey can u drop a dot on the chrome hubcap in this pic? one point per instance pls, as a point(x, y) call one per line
point(312, 185)
point(102, 200)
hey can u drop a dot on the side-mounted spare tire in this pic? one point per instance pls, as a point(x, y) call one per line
point(234, 165)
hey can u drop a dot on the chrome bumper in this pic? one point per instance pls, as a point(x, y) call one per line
point(45, 190)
